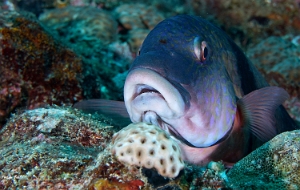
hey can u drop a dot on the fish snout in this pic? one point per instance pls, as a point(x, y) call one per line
point(150, 98)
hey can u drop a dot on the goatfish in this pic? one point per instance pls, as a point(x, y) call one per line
point(194, 82)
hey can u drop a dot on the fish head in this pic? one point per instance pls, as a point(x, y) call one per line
point(179, 82)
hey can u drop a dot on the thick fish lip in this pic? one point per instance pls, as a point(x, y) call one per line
point(146, 90)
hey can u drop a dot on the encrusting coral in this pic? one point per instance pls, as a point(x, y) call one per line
point(148, 146)
point(275, 165)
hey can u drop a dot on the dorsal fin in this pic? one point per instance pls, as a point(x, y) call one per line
point(258, 110)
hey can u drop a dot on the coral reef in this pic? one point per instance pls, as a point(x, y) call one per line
point(95, 36)
point(148, 146)
point(77, 147)
point(133, 16)
point(10, 92)
point(35, 69)
point(82, 24)
point(90, 31)
point(61, 148)
point(54, 147)
point(136, 38)
point(34, 6)
point(275, 165)
point(278, 60)
point(251, 21)
point(136, 21)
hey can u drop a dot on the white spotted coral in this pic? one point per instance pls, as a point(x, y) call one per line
point(148, 146)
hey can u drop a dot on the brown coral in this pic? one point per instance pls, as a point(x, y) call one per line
point(43, 71)
point(10, 91)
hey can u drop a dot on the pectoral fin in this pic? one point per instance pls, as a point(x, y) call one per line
point(115, 110)
point(258, 110)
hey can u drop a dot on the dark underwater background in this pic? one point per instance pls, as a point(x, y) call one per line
point(56, 53)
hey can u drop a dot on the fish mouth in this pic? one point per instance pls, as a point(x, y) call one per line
point(143, 88)
point(151, 98)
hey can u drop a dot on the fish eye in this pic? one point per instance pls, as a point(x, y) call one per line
point(138, 52)
point(200, 49)
point(204, 51)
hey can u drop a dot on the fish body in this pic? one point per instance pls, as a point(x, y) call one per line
point(194, 82)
